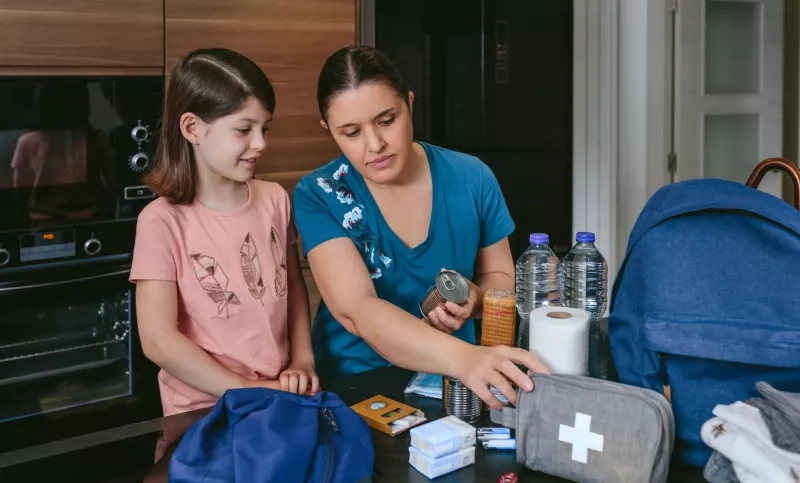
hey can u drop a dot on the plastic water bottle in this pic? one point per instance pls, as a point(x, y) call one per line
point(538, 275)
point(586, 287)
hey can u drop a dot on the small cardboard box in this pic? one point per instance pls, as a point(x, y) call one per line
point(433, 468)
point(385, 415)
point(443, 436)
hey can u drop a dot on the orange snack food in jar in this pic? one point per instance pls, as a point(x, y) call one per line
point(499, 317)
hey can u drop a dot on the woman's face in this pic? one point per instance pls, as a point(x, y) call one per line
point(372, 126)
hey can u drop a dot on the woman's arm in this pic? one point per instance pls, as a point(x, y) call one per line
point(405, 340)
point(162, 343)
point(494, 268)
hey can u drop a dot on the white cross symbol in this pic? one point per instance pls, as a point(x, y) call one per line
point(581, 439)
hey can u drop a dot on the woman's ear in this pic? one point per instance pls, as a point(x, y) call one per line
point(323, 124)
point(192, 127)
point(411, 101)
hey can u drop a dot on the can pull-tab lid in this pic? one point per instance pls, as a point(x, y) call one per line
point(452, 287)
point(448, 283)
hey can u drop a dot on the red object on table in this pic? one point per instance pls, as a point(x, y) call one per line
point(509, 477)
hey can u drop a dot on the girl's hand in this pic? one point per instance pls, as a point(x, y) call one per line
point(299, 379)
point(481, 367)
point(453, 316)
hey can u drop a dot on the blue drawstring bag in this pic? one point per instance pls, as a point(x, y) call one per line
point(260, 435)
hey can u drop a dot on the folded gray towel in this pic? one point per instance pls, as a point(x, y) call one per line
point(781, 412)
point(719, 469)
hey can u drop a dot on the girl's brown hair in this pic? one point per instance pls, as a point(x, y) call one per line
point(210, 83)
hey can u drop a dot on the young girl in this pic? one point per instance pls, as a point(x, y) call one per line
point(220, 297)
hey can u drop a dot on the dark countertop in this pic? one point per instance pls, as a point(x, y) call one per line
point(125, 454)
point(391, 453)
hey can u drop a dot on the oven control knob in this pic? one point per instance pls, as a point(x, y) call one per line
point(139, 162)
point(92, 246)
point(140, 133)
point(5, 257)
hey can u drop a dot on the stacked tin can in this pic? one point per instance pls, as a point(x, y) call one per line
point(460, 401)
point(457, 399)
point(448, 287)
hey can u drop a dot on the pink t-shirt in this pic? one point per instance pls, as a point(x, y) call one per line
point(230, 267)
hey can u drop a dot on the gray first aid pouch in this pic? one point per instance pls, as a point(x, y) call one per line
point(592, 430)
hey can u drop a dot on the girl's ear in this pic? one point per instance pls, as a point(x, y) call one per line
point(192, 127)
point(411, 101)
point(323, 124)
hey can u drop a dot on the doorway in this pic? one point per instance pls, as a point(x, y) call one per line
point(492, 78)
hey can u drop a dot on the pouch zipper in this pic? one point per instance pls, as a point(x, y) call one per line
point(327, 414)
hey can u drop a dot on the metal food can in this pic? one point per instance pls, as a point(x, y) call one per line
point(448, 287)
point(459, 401)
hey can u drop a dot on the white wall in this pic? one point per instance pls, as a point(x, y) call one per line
point(621, 99)
point(595, 118)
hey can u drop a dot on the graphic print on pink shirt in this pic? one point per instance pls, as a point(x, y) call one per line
point(214, 281)
point(279, 258)
point(251, 268)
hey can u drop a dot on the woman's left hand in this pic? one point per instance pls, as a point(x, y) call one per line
point(455, 316)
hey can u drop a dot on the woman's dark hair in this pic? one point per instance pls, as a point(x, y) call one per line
point(352, 66)
point(210, 83)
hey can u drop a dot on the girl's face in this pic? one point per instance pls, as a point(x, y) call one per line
point(230, 146)
point(372, 126)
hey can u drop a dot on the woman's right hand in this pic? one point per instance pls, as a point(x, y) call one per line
point(481, 367)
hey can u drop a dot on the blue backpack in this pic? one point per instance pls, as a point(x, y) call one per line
point(262, 435)
point(706, 301)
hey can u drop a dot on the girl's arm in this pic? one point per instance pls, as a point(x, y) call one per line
point(300, 376)
point(299, 318)
point(162, 343)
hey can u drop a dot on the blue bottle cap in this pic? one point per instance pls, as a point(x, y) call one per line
point(539, 238)
point(584, 237)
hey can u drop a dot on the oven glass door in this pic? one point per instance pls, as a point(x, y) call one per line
point(67, 347)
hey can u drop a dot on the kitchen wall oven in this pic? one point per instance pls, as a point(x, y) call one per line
point(72, 152)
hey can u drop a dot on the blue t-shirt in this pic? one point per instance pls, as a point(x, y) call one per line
point(468, 213)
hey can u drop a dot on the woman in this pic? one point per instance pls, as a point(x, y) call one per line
point(378, 224)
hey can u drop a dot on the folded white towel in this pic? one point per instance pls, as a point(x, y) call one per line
point(740, 434)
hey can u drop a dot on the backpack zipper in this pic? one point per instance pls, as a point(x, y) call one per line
point(329, 454)
point(329, 416)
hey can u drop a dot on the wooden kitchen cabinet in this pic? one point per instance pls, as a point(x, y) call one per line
point(289, 40)
point(123, 36)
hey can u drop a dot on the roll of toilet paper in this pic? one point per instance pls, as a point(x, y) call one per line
point(559, 336)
